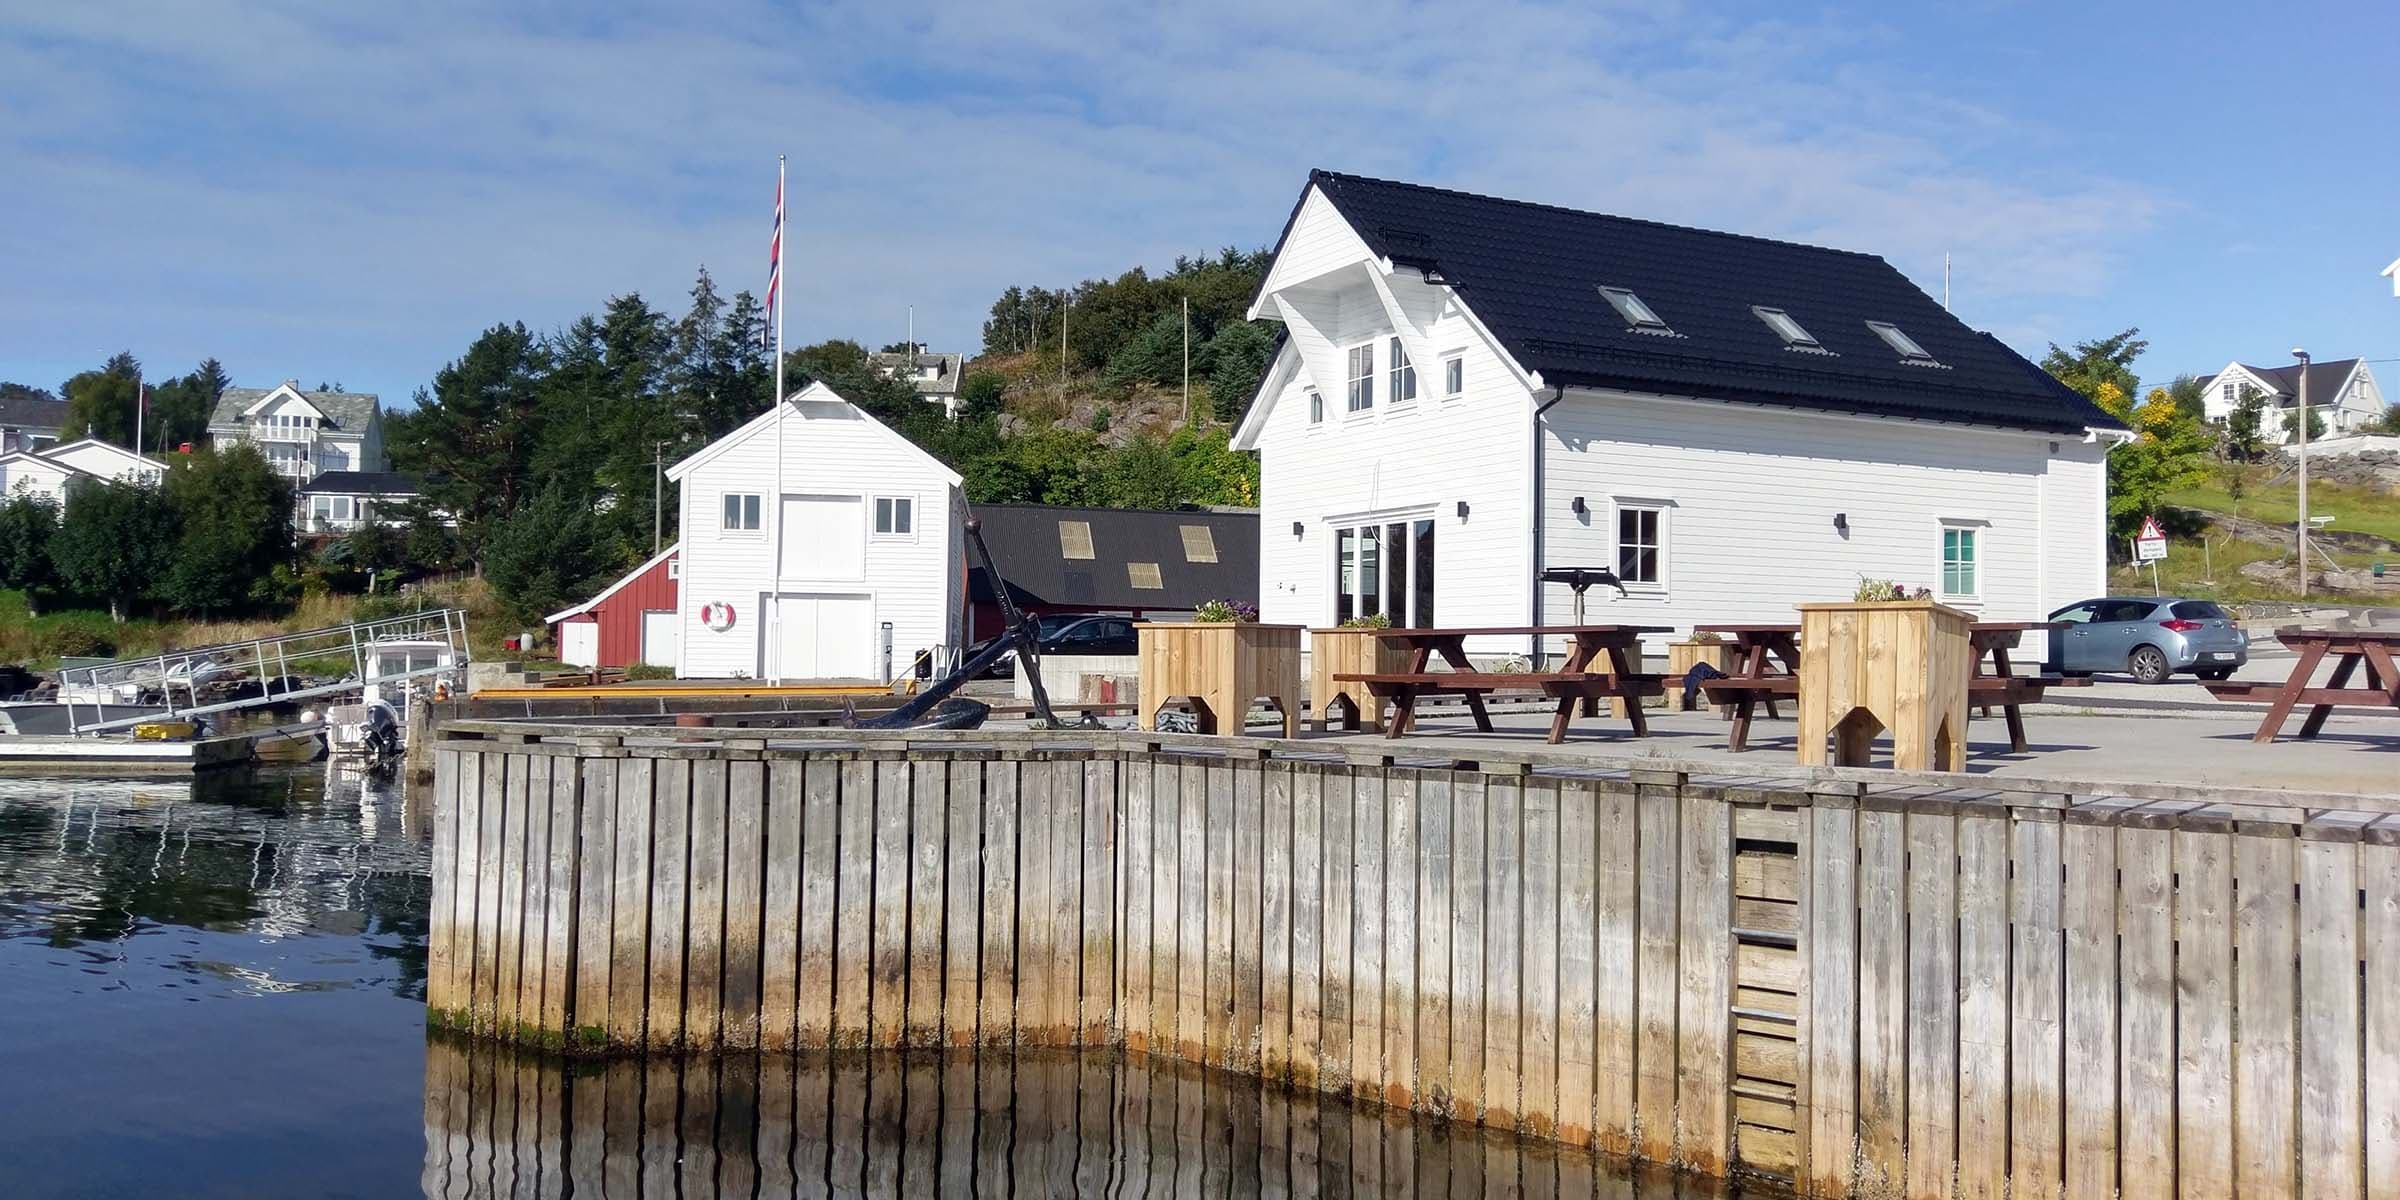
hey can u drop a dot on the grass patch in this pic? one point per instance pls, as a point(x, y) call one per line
point(38, 642)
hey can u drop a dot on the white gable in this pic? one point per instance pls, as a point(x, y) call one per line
point(283, 399)
point(815, 403)
point(106, 460)
point(1319, 242)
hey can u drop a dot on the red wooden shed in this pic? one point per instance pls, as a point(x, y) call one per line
point(637, 619)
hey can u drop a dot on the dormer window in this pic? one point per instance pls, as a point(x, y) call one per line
point(1910, 352)
point(1788, 329)
point(1639, 318)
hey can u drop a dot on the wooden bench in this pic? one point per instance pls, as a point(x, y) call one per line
point(1404, 688)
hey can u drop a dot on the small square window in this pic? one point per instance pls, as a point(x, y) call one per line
point(1910, 351)
point(1454, 377)
point(1786, 328)
point(1641, 546)
point(1075, 539)
point(740, 513)
point(1639, 317)
point(895, 515)
point(1143, 575)
point(1199, 543)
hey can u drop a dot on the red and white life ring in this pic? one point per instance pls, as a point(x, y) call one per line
point(717, 615)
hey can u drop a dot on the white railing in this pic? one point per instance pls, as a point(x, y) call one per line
point(176, 679)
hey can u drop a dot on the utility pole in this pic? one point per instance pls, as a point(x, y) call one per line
point(1187, 360)
point(2300, 534)
point(1945, 281)
point(1066, 296)
point(658, 492)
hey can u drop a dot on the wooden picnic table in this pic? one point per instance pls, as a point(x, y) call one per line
point(2378, 650)
point(1767, 665)
point(1577, 681)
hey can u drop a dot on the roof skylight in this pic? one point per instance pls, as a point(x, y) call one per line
point(1787, 328)
point(1638, 316)
point(1910, 351)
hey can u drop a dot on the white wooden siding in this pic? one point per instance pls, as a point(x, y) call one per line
point(1752, 492)
point(828, 450)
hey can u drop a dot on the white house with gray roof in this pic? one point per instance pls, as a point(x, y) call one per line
point(937, 377)
point(304, 434)
point(2342, 392)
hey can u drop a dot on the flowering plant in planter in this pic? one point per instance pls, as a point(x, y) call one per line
point(1225, 612)
point(1370, 621)
point(1877, 591)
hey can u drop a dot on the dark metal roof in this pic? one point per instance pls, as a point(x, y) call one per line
point(1026, 546)
point(1532, 273)
point(2323, 377)
point(362, 483)
point(23, 407)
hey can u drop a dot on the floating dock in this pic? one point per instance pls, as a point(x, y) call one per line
point(66, 754)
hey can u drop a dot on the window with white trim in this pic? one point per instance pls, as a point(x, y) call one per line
point(1454, 377)
point(1362, 378)
point(1642, 544)
point(895, 516)
point(1316, 407)
point(1384, 568)
point(1910, 352)
point(739, 513)
point(1639, 317)
point(1960, 544)
point(2227, 392)
point(1787, 328)
point(1404, 374)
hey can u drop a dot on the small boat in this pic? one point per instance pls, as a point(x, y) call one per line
point(370, 730)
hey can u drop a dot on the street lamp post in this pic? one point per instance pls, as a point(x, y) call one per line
point(2300, 534)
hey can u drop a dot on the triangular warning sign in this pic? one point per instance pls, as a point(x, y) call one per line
point(2150, 530)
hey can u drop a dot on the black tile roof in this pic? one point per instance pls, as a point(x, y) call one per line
point(2323, 377)
point(1024, 541)
point(23, 407)
point(1532, 273)
point(362, 483)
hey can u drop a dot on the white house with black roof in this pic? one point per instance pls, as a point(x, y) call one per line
point(1472, 390)
point(342, 501)
point(2342, 392)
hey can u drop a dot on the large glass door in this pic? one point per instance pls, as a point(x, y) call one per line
point(1385, 569)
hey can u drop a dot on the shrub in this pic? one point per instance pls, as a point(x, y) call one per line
point(1877, 591)
point(70, 639)
point(646, 671)
point(1373, 621)
point(1225, 612)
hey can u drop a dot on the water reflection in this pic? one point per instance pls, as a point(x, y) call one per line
point(500, 1123)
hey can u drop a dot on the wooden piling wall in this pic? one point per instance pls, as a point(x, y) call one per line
point(1917, 986)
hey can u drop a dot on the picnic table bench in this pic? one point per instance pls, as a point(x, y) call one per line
point(2379, 651)
point(1767, 668)
point(1578, 682)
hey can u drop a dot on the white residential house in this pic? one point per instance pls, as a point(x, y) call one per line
point(342, 501)
point(864, 526)
point(937, 377)
point(2343, 392)
point(1470, 391)
point(30, 418)
point(304, 434)
point(25, 473)
point(49, 471)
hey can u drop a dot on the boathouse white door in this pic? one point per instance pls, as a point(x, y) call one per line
point(821, 637)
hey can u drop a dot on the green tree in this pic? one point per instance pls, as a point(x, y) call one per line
point(1239, 356)
point(233, 513)
point(2169, 450)
point(473, 436)
point(547, 555)
point(180, 408)
point(2190, 394)
point(28, 522)
point(1155, 355)
point(101, 403)
point(981, 394)
point(2245, 439)
point(2092, 365)
point(1210, 471)
point(115, 541)
point(2316, 424)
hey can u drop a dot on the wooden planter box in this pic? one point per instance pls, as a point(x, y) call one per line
point(1334, 652)
point(1221, 668)
point(1900, 665)
point(1682, 657)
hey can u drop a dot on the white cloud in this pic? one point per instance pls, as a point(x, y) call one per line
point(351, 193)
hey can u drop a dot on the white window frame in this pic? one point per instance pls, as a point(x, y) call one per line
point(1403, 373)
point(1974, 529)
point(1358, 393)
point(1908, 348)
point(1412, 517)
point(1665, 508)
point(757, 502)
point(1316, 407)
point(1454, 375)
point(875, 527)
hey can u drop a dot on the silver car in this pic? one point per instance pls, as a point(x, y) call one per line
point(2150, 638)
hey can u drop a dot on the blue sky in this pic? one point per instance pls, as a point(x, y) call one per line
point(351, 192)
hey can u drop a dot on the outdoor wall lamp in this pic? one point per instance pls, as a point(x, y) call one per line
point(1462, 510)
point(1298, 529)
point(1580, 508)
point(1841, 523)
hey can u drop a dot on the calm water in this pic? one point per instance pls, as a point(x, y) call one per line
point(217, 990)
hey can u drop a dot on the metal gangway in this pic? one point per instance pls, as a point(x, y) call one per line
point(262, 671)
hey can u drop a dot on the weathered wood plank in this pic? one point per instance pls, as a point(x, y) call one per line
point(1503, 974)
point(2332, 1090)
point(2036, 996)
point(823, 859)
point(1308, 927)
point(2265, 928)
point(962, 935)
point(887, 1007)
point(1982, 1003)
point(1038, 907)
point(1932, 992)
point(1166, 900)
point(861, 844)
point(1065, 969)
point(2204, 1014)
point(441, 989)
point(1400, 919)
point(1275, 876)
point(1191, 934)
point(595, 896)
point(1218, 927)
point(704, 937)
point(1367, 919)
point(2379, 872)
point(670, 892)
point(785, 810)
point(1335, 949)
point(1247, 1034)
point(1616, 958)
point(1468, 856)
point(558, 909)
point(1832, 1014)
point(533, 910)
point(629, 900)
point(2089, 853)
point(2146, 1014)
point(1882, 1000)
point(746, 921)
point(509, 904)
point(1435, 871)
point(1537, 949)
point(929, 801)
point(466, 891)
point(1136, 952)
point(1101, 908)
point(996, 1022)
point(1578, 999)
point(1703, 1021)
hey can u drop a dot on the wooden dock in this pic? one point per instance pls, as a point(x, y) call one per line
point(1867, 982)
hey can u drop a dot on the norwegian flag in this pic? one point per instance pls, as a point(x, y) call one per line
point(775, 262)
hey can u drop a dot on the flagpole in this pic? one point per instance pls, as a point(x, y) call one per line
point(774, 624)
point(141, 404)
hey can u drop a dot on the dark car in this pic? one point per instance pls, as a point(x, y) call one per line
point(1069, 633)
point(2151, 638)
